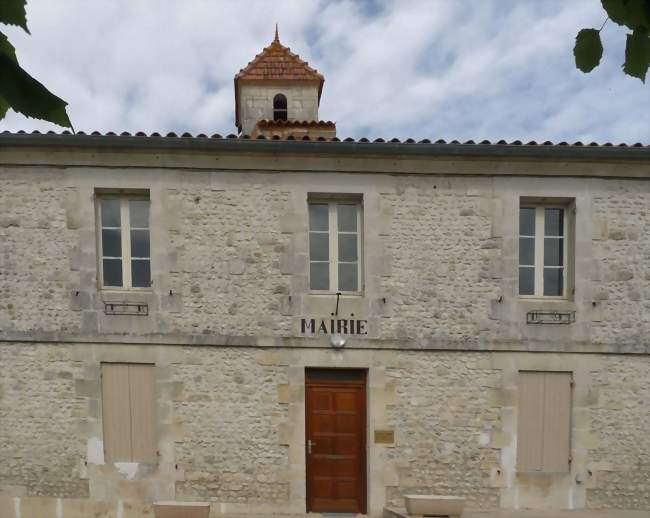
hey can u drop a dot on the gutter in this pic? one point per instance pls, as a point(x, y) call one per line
point(236, 145)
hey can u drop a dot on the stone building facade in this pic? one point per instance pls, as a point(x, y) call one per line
point(437, 322)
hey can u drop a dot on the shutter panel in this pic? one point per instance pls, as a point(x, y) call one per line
point(143, 412)
point(530, 421)
point(116, 412)
point(557, 421)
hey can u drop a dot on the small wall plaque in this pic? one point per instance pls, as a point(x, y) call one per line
point(550, 317)
point(384, 436)
point(126, 308)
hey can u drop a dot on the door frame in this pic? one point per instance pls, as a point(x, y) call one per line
point(363, 383)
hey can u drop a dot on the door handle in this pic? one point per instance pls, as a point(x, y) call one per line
point(310, 443)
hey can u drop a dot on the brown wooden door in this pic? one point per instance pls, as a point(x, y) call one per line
point(336, 440)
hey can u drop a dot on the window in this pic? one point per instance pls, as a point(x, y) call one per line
point(280, 108)
point(335, 246)
point(128, 412)
point(124, 246)
point(544, 422)
point(543, 251)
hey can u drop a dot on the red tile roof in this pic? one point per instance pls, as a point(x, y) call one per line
point(440, 143)
point(276, 63)
point(266, 123)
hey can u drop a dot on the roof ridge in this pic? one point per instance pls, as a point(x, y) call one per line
point(277, 46)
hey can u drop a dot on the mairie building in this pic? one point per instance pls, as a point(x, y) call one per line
point(283, 322)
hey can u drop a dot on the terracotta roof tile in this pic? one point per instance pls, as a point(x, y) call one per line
point(276, 63)
point(364, 140)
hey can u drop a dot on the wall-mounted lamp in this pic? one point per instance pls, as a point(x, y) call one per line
point(337, 341)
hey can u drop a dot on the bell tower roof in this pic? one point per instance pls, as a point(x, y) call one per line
point(276, 63)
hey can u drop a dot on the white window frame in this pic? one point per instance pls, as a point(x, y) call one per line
point(540, 232)
point(333, 233)
point(125, 236)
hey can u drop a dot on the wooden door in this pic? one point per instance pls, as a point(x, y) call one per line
point(336, 440)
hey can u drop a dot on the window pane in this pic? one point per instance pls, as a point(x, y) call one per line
point(319, 276)
point(110, 213)
point(526, 221)
point(553, 251)
point(553, 280)
point(318, 217)
point(319, 247)
point(139, 213)
point(526, 280)
point(527, 250)
point(348, 277)
point(553, 222)
point(347, 218)
point(111, 242)
point(140, 273)
point(140, 243)
point(112, 272)
point(347, 247)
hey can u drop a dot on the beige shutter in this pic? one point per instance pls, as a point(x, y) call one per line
point(557, 421)
point(544, 422)
point(530, 421)
point(116, 412)
point(142, 386)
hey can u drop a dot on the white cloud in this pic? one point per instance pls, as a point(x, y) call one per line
point(454, 69)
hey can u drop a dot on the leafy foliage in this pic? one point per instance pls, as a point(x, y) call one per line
point(637, 54)
point(12, 12)
point(588, 49)
point(19, 90)
point(633, 14)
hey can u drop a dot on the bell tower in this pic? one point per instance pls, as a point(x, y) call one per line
point(278, 94)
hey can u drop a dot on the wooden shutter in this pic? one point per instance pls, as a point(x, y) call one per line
point(544, 422)
point(128, 412)
point(143, 416)
point(116, 412)
point(530, 421)
point(557, 421)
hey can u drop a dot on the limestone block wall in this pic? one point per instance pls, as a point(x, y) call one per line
point(443, 417)
point(40, 416)
point(620, 458)
point(256, 102)
point(622, 248)
point(229, 243)
point(231, 427)
point(442, 253)
point(227, 405)
point(35, 242)
point(230, 257)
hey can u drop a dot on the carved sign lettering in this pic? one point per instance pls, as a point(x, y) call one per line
point(341, 326)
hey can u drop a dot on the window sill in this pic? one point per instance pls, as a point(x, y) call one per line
point(125, 291)
point(333, 294)
point(551, 302)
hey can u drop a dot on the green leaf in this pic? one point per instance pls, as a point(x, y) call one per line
point(634, 14)
point(4, 106)
point(29, 97)
point(638, 14)
point(12, 12)
point(588, 49)
point(637, 54)
point(615, 9)
point(7, 48)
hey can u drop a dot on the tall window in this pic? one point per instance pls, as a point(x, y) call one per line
point(335, 246)
point(542, 251)
point(280, 108)
point(124, 245)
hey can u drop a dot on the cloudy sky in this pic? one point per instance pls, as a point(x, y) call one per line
point(452, 69)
